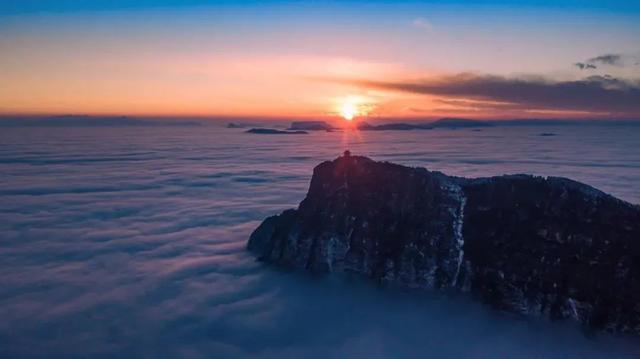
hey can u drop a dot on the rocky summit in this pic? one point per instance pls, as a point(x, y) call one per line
point(538, 246)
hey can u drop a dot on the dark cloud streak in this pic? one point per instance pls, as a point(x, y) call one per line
point(598, 94)
point(585, 66)
point(602, 60)
point(607, 59)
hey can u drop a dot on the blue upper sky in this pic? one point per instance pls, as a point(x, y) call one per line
point(30, 6)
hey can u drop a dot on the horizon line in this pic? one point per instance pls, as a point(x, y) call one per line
point(221, 117)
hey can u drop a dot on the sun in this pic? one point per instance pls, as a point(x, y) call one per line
point(350, 107)
point(348, 111)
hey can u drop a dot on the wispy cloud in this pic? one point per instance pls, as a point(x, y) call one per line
point(422, 23)
point(608, 59)
point(602, 60)
point(585, 66)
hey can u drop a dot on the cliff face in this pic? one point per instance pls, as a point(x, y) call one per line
point(550, 247)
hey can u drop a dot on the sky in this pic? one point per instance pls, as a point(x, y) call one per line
point(386, 59)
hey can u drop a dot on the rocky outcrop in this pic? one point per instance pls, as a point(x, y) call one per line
point(548, 247)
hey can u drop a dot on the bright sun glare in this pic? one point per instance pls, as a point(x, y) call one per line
point(348, 110)
point(352, 106)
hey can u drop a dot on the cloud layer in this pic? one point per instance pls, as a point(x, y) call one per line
point(130, 242)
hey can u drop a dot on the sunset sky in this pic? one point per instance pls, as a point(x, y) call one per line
point(293, 59)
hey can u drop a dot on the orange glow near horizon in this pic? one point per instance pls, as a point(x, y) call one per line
point(129, 82)
point(172, 85)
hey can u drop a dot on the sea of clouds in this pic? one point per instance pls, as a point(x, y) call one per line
point(129, 241)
